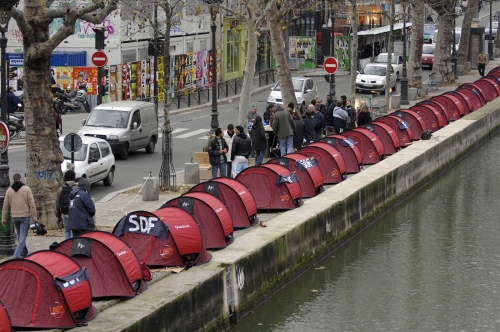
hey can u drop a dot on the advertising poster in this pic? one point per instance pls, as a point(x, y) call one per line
point(219, 65)
point(180, 71)
point(205, 66)
point(125, 82)
point(144, 79)
point(302, 47)
point(64, 77)
point(139, 79)
point(199, 69)
point(85, 76)
point(208, 65)
point(112, 83)
point(16, 78)
point(133, 80)
point(161, 75)
point(152, 78)
point(189, 72)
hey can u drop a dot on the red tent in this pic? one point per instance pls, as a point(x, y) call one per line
point(237, 198)
point(348, 150)
point(490, 87)
point(475, 101)
point(431, 116)
point(495, 72)
point(438, 107)
point(416, 122)
point(46, 290)
point(330, 161)
point(163, 240)
point(476, 89)
point(307, 171)
point(451, 104)
point(5, 325)
point(466, 107)
point(400, 127)
point(372, 148)
point(274, 186)
point(387, 135)
point(213, 217)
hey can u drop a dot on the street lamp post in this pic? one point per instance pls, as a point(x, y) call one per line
point(332, 53)
point(490, 37)
point(7, 242)
point(454, 56)
point(404, 75)
point(214, 9)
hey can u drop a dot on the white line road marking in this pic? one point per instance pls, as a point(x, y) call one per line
point(193, 133)
point(178, 130)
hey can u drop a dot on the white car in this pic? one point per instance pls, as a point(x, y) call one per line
point(396, 61)
point(94, 160)
point(372, 78)
point(305, 91)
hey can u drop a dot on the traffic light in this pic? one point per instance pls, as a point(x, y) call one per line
point(99, 37)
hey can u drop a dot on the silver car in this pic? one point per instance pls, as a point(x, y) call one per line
point(305, 91)
point(372, 78)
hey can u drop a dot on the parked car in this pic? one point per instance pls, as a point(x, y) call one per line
point(372, 78)
point(428, 55)
point(305, 91)
point(396, 61)
point(93, 161)
point(494, 28)
point(125, 125)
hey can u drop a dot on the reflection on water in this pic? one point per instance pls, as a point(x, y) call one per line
point(431, 264)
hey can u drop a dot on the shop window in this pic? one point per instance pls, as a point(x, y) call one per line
point(233, 45)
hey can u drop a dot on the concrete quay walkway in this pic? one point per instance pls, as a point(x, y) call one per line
point(246, 257)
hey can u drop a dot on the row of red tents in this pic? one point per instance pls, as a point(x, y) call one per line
point(54, 289)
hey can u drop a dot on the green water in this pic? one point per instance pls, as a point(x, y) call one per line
point(430, 264)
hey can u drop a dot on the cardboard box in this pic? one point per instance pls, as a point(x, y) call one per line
point(201, 158)
point(206, 172)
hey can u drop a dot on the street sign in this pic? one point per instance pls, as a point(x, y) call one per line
point(330, 65)
point(99, 59)
point(4, 137)
point(72, 143)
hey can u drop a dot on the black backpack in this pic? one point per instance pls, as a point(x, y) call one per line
point(64, 198)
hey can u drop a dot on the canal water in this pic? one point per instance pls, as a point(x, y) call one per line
point(430, 264)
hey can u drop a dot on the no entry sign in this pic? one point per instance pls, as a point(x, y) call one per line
point(99, 59)
point(330, 65)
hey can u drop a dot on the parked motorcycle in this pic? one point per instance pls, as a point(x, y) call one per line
point(20, 99)
point(73, 100)
point(16, 125)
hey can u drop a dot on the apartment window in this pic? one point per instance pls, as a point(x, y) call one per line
point(203, 45)
point(189, 47)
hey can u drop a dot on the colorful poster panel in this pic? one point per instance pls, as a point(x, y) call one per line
point(85, 76)
point(64, 76)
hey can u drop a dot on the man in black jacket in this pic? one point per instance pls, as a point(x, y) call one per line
point(330, 105)
point(240, 151)
point(310, 125)
point(217, 149)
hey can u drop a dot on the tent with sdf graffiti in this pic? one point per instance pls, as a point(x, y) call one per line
point(238, 199)
point(168, 237)
point(211, 214)
point(329, 159)
point(112, 266)
point(275, 187)
point(46, 290)
point(5, 325)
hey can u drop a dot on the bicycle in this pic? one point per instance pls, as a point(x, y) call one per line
point(373, 104)
point(431, 83)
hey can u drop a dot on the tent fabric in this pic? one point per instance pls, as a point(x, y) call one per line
point(237, 198)
point(186, 240)
point(469, 104)
point(107, 275)
point(5, 325)
point(432, 118)
point(475, 101)
point(330, 161)
point(307, 171)
point(416, 122)
point(466, 108)
point(400, 127)
point(489, 86)
point(348, 150)
point(372, 148)
point(211, 214)
point(387, 135)
point(476, 89)
point(438, 107)
point(46, 290)
point(126, 256)
point(452, 105)
point(270, 195)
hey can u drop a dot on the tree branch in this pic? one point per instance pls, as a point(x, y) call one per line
point(18, 15)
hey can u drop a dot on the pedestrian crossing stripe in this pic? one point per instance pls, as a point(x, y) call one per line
point(188, 134)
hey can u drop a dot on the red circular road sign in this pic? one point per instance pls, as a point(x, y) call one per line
point(330, 65)
point(4, 137)
point(99, 59)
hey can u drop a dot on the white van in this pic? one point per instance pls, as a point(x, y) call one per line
point(125, 125)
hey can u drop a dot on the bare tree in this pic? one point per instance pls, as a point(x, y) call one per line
point(463, 49)
point(43, 155)
point(415, 55)
point(354, 55)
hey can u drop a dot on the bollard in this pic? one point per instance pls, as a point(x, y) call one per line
point(460, 70)
point(412, 94)
point(192, 173)
point(395, 102)
point(150, 190)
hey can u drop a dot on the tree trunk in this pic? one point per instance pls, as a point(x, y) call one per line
point(415, 56)
point(442, 55)
point(280, 58)
point(354, 56)
point(166, 100)
point(463, 49)
point(43, 156)
point(390, 49)
point(249, 72)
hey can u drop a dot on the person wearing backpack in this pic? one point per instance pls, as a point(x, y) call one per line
point(62, 201)
point(81, 209)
